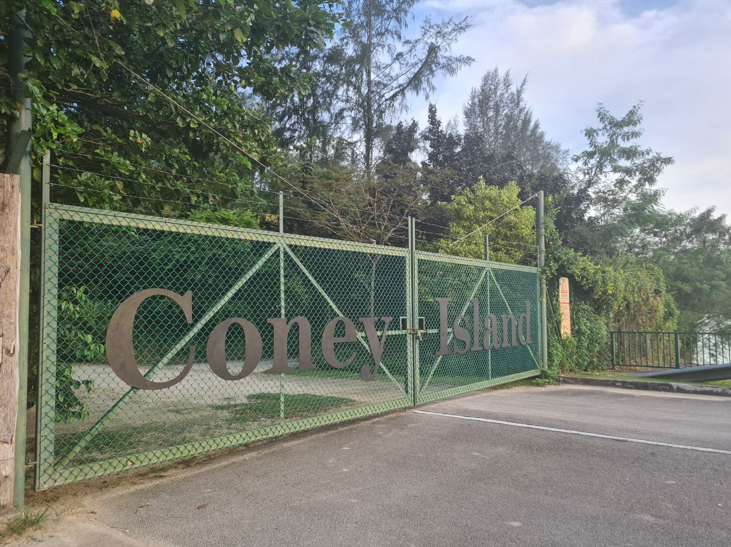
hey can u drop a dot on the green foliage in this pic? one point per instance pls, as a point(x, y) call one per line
point(586, 348)
point(502, 142)
point(79, 318)
point(122, 144)
point(474, 208)
point(622, 294)
point(79, 341)
point(619, 176)
point(498, 122)
point(365, 78)
point(630, 294)
point(694, 251)
point(238, 219)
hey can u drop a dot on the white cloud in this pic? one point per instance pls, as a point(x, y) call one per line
point(578, 53)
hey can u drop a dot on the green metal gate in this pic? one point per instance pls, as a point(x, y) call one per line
point(482, 293)
point(92, 423)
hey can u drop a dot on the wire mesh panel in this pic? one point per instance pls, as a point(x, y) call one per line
point(481, 324)
point(195, 308)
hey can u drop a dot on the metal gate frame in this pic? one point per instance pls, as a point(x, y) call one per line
point(50, 472)
point(487, 276)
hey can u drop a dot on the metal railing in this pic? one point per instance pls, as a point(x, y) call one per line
point(670, 349)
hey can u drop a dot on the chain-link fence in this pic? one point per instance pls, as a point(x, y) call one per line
point(481, 324)
point(205, 325)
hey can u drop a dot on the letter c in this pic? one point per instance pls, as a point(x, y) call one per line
point(120, 347)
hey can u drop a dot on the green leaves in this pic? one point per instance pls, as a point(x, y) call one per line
point(241, 35)
point(474, 208)
point(180, 8)
point(97, 61)
point(216, 59)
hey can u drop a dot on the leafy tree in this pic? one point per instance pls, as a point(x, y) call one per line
point(619, 176)
point(499, 123)
point(623, 293)
point(440, 167)
point(312, 120)
point(694, 251)
point(118, 142)
point(402, 144)
point(502, 143)
point(512, 238)
point(100, 74)
point(382, 67)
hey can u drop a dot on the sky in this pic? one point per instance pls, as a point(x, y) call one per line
point(675, 55)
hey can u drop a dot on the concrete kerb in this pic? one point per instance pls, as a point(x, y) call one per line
point(667, 387)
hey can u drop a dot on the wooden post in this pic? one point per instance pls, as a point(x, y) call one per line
point(10, 256)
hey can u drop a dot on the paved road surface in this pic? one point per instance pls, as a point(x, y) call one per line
point(424, 479)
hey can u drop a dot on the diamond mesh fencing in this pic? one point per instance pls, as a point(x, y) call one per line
point(92, 423)
point(488, 333)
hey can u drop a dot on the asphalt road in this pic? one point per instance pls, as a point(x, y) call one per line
point(424, 479)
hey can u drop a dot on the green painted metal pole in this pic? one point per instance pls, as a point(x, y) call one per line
point(45, 199)
point(19, 130)
point(414, 313)
point(487, 283)
point(46, 181)
point(541, 263)
point(281, 298)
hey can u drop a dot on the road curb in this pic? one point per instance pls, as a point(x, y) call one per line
point(668, 387)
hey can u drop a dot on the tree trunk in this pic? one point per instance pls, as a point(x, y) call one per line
point(9, 332)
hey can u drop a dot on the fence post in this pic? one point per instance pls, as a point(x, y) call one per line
point(541, 263)
point(414, 312)
point(611, 338)
point(282, 309)
point(10, 276)
point(487, 284)
point(19, 149)
point(677, 350)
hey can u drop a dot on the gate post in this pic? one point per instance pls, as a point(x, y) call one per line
point(541, 263)
point(20, 163)
point(282, 310)
point(487, 284)
point(10, 337)
point(414, 311)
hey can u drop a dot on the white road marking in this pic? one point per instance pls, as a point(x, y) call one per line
point(580, 433)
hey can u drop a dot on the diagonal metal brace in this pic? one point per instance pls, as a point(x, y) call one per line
point(451, 334)
point(511, 311)
point(337, 310)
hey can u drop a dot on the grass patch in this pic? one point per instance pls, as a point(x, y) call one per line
point(266, 406)
point(343, 374)
point(129, 439)
point(23, 523)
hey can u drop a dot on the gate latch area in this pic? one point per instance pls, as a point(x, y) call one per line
point(418, 331)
